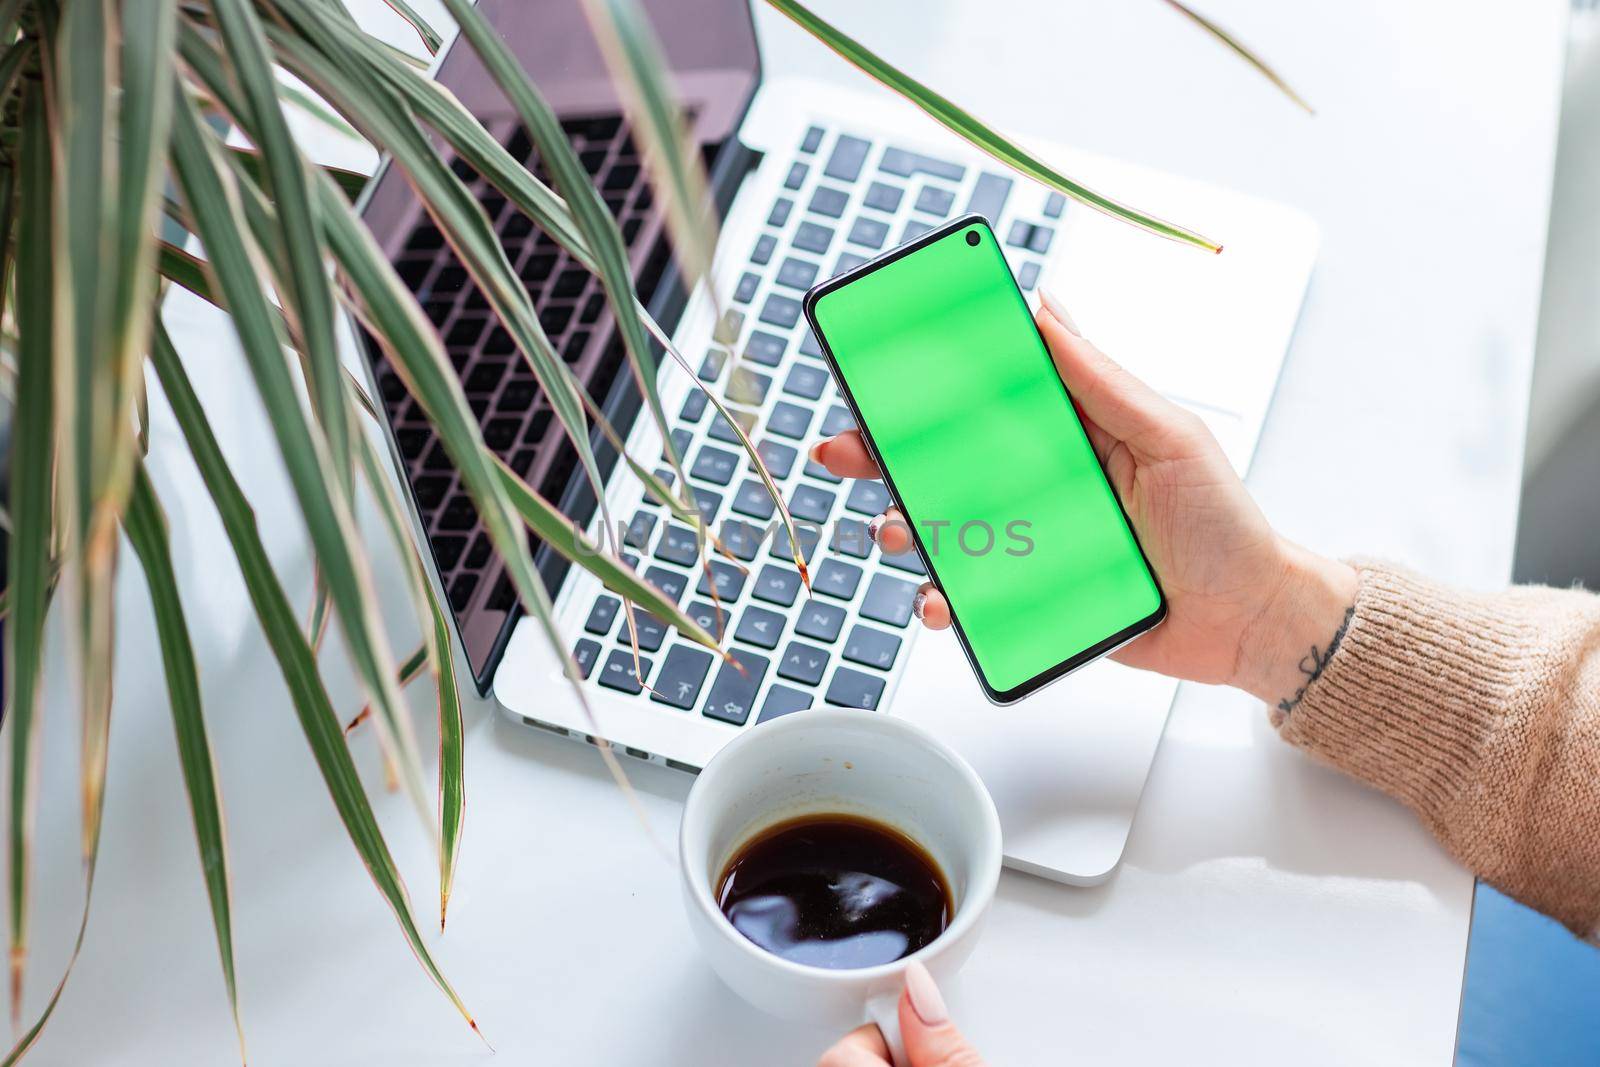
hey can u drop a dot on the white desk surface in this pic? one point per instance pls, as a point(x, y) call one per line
point(1267, 911)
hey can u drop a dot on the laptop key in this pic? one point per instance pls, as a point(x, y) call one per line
point(806, 380)
point(989, 196)
point(870, 647)
point(849, 154)
point(809, 345)
point(837, 421)
point(728, 578)
point(869, 232)
point(651, 630)
point(728, 327)
point(881, 196)
point(448, 549)
point(867, 498)
point(746, 386)
point(765, 348)
point(1053, 205)
point(819, 621)
point(781, 700)
point(803, 663)
point(584, 654)
point(712, 619)
point(1021, 233)
point(903, 164)
point(760, 627)
point(777, 585)
point(1028, 276)
point(888, 600)
point(810, 538)
point(909, 562)
point(852, 689)
point(741, 538)
point(671, 583)
point(745, 291)
point(812, 237)
point(813, 469)
point(761, 255)
point(837, 578)
point(694, 406)
point(914, 228)
point(797, 273)
point(1039, 239)
point(935, 201)
point(640, 527)
point(780, 311)
point(706, 501)
point(682, 674)
point(602, 615)
point(812, 140)
point(714, 465)
point(733, 693)
point(678, 545)
point(850, 539)
point(753, 499)
point(780, 212)
point(797, 176)
point(847, 261)
point(680, 442)
point(810, 502)
point(778, 457)
point(789, 420)
point(720, 430)
point(828, 201)
point(711, 366)
point(618, 672)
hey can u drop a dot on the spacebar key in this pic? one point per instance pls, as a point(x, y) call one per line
point(733, 694)
point(989, 196)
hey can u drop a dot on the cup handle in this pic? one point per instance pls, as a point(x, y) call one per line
point(884, 1011)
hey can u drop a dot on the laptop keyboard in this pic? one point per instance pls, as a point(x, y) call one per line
point(844, 199)
point(516, 420)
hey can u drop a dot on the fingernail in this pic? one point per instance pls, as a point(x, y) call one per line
point(918, 603)
point(815, 452)
point(1059, 310)
point(873, 527)
point(925, 998)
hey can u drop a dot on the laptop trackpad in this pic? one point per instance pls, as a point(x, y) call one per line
point(1066, 767)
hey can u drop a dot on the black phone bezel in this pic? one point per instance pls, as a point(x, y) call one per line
point(1032, 685)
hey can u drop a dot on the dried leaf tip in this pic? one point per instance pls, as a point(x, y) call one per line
point(19, 956)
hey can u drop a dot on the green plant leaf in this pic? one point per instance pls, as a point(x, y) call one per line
point(309, 104)
point(304, 289)
point(33, 507)
point(1238, 48)
point(970, 129)
point(633, 55)
point(307, 692)
point(440, 657)
point(236, 273)
point(430, 37)
point(146, 525)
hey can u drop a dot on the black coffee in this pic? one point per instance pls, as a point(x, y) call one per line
point(835, 891)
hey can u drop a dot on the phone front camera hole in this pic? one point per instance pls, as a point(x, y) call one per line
point(973, 238)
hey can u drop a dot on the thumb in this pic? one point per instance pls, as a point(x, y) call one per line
point(931, 1039)
point(1122, 405)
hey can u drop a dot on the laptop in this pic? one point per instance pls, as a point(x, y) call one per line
point(809, 180)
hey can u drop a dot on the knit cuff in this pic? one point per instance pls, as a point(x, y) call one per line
point(1409, 695)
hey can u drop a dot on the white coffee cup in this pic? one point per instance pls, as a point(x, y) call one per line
point(851, 762)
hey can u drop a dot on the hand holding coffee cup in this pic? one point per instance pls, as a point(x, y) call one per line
point(823, 852)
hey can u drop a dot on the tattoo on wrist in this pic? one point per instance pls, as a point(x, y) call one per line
point(1313, 663)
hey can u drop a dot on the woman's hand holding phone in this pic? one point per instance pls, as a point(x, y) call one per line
point(1243, 603)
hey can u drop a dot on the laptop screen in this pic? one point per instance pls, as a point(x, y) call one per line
point(710, 45)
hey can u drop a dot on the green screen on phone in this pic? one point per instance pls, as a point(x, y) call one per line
point(959, 398)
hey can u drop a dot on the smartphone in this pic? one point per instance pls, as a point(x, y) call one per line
point(956, 396)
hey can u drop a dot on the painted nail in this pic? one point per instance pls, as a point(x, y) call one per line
point(918, 604)
point(1059, 310)
point(926, 1000)
point(874, 527)
point(815, 451)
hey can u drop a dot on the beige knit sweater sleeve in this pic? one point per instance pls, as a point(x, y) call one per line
point(1481, 712)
